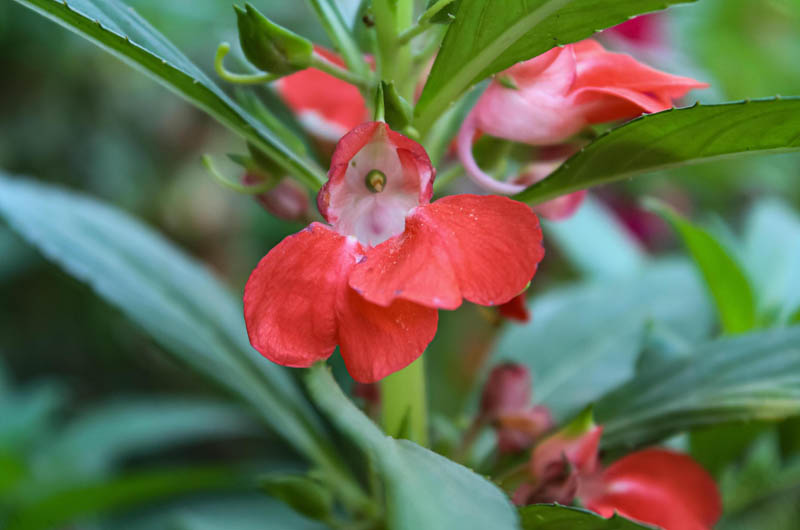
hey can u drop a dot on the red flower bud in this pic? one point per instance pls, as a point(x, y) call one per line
point(508, 390)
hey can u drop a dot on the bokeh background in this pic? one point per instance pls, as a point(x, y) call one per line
point(74, 115)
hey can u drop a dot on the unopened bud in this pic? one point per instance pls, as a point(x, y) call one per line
point(288, 200)
point(508, 390)
point(518, 431)
point(269, 46)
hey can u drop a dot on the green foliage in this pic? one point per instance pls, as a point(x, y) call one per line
point(121, 492)
point(488, 37)
point(763, 491)
point(660, 141)
point(556, 517)
point(771, 252)
point(305, 495)
point(269, 46)
point(753, 376)
point(118, 29)
point(588, 237)
point(568, 347)
point(724, 277)
point(423, 489)
point(332, 20)
point(168, 294)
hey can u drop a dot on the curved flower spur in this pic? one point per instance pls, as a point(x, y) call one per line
point(371, 282)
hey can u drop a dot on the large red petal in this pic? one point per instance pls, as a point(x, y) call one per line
point(482, 248)
point(290, 298)
point(377, 341)
point(659, 487)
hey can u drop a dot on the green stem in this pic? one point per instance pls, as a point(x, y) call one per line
point(424, 21)
point(240, 79)
point(393, 17)
point(405, 405)
point(320, 63)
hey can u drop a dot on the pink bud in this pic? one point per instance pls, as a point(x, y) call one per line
point(508, 390)
point(518, 431)
point(288, 200)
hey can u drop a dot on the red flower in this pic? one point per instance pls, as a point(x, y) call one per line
point(550, 98)
point(372, 281)
point(656, 486)
point(326, 106)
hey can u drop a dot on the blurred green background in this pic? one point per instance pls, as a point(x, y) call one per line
point(72, 114)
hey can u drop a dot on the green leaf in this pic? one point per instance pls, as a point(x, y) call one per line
point(747, 377)
point(567, 345)
point(423, 489)
point(98, 439)
point(119, 493)
point(595, 242)
point(172, 297)
point(772, 255)
point(303, 494)
point(675, 138)
point(723, 276)
point(118, 29)
point(488, 37)
point(556, 517)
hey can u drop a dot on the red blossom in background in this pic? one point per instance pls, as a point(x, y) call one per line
point(550, 98)
point(655, 486)
point(371, 281)
point(644, 30)
point(326, 106)
point(288, 200)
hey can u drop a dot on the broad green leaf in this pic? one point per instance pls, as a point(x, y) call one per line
point(755, 376)
point(423, 489)
point(556, 517)
point(488, 37)
point(772, 256)
point(585, 340)
point(723, 276)
point(27, 414)
point(674, 138)
point(172, 297)
point(595, 242)
point(122, 492)
point(118, 29)
point(98, 439)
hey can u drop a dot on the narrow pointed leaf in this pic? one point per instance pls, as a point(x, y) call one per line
point(487, 37)
point(725, 279)
point(118, 29)
point(747, 377)
point(675, 138)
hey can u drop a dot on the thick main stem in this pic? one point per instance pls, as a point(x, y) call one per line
point(404, 403)
point(392, 18)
